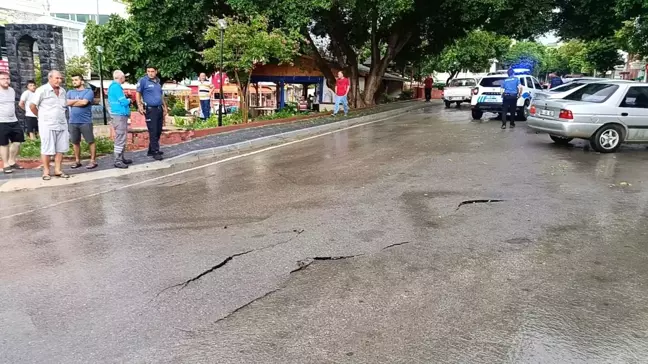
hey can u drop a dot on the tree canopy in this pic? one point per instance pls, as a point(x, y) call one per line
point(387, 27)
point(474, 52)
point(248, 43)
point(166, 34)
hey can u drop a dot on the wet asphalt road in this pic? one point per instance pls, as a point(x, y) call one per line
point(347, 248)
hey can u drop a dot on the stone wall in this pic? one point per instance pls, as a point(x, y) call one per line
point(20, 40)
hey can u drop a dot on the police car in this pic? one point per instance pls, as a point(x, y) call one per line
point(487, 96)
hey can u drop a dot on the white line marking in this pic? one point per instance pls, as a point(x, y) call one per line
point(194, 168)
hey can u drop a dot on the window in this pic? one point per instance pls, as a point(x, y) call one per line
point(103, 19)
point(62, 16)
point(529, 82)
point(636, 97)
point(566, 87)
point(522, 81)
point(492, 81)
point(83, 18)
point(536, 84)
point(71, 42)
point(593, 92)
point(463, 82)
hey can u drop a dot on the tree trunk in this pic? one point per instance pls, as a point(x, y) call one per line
point(355, 96)
point(453, 74)
point(373, 81)
point(243, 95)
point(323, 64)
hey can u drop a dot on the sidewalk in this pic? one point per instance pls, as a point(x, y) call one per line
point(214, 141)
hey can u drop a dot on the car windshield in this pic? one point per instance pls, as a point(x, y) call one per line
point(593, 92)
point(463, 82)
point(566, 87)
point(492, 81)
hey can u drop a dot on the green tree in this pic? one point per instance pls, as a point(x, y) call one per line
point(389, 27)
point(533, 53)
point(602, 55)
point(568, 58)
point(247, 44)
point(633, 36)
point(164, 33)
point(123, 46)
point(77, 65)
point(474, 53)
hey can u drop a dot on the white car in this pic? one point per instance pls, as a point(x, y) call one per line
point(563, 90)
point(459, 90)
point(487, 96)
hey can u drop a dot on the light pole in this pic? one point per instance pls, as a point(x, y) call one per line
point(222, 24)
point(101, 91)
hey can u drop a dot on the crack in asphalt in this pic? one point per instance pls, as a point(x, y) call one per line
point(302, 264)
point(395, 245)
point(227, 260)
point(249, 303)
point(472, 202)
point(204, 273)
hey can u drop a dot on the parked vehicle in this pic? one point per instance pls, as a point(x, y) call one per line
point(459, 90)
point(605, 113)
point(487, 96)
point(563, 90)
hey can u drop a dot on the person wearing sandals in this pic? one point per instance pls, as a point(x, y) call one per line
point(119, 113)
point(11, 133)
point(49, 106)
point(79, 100)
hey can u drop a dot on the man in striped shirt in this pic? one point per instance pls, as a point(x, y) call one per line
point(205, 90)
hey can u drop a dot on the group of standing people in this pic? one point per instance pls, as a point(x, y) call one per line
point(46, 117)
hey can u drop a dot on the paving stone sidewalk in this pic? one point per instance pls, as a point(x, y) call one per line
point(212, 141)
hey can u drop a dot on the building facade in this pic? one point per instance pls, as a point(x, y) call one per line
point(72, 16)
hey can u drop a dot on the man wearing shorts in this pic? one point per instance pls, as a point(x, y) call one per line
point(11, 134)
point(49, 107)
point(79, 100)
point(31, 122)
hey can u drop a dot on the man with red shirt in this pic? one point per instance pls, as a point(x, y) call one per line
point(429, 82)
point(342, 87)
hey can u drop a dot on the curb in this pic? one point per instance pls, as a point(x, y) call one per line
point(193, 156)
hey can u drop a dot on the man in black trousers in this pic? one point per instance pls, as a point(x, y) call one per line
point(150, 102)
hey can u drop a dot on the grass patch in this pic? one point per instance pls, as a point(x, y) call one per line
point(32, 148)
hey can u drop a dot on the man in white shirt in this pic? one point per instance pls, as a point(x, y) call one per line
point(49, 105)
point(31, 122)
point(11, 134)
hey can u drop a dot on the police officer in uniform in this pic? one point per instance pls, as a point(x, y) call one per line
point(150, 102)
point(511, 92)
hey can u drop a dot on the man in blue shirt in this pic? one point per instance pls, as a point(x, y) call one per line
point(511, 91)
point(150, 102)
point(554, 80)
point(79, 101)
point(119, 113)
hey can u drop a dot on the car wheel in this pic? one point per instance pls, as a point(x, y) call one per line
point(560, 140)
point(607, 139)
point(447, 104)
point(477, 114)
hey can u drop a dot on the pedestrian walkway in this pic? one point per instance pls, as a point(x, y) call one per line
point(212, 141)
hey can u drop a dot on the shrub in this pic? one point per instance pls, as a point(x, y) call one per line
point(406, 95)
point(178, 109)
point(31, 148)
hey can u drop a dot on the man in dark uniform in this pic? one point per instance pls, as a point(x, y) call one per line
point(554, 80)
point(511, 91)
point(150, 102)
